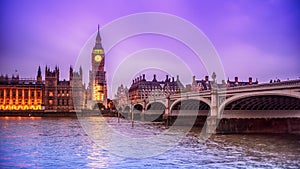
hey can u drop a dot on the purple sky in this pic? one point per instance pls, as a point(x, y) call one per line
point(258, 38)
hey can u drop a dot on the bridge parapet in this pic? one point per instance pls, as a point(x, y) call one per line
point(291, 83)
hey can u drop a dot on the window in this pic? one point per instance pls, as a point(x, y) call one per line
point(50, 102)
point(14, 92)
point(50, 93)
point(39, 94)
point(32, 94)
point(1, 93)
point(20, 93)
point(26, 93)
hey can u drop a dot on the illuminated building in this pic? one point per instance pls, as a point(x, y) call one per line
point(54, 95)
point(20, 94)
point(51, 95)
point(97, 89)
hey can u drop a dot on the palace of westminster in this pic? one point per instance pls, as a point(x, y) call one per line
point(55, 95)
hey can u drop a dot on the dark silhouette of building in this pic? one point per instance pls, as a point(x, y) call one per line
point(141, 88)
point(237, 83)
point(59, 95)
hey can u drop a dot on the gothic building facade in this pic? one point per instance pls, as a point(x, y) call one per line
point(53, 94)
point(63, 95)
point(50, 95)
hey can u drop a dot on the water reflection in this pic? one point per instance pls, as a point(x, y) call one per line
point(62, 143)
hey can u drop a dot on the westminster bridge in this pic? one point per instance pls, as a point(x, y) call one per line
point(280, 100)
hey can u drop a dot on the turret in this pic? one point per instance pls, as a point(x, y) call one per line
point(71, 76)
point(144, 79)
point(154, 78)
point(71, 73)
point(167, 78)
point(206, 79)
point(236, 80)
point(39, 76)
point(250, 80)
point(57, 73)
point(80, 71)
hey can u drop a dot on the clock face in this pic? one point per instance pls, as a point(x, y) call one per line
point(98, 58)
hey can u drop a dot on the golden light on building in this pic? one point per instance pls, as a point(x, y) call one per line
point(21, 97)
point(98, 93)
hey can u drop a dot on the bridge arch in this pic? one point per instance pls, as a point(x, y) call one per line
point(127, 109)
point(189, 104)
point(138, 107)
point(238, 99)
point(206, 101)
point(157, 105)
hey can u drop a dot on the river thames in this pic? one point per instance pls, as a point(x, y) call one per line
point(34, 142)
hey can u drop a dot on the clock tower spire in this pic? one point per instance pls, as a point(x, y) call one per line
point(98, 44)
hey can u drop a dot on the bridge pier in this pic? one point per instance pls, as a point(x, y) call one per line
point(212, 120)
point(167, 109)
point(142, 115)
point(211, 124)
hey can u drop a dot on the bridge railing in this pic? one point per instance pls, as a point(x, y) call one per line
point(205, 92)
point(284, 83)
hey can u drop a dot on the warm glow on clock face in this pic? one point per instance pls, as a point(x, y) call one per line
point(98, 58)
point(98, 51)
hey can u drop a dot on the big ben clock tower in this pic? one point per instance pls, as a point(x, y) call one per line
point(97, 85)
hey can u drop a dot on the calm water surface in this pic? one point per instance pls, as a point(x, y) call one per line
point(62, 143)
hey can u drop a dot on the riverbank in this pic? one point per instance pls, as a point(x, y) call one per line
point(39, 113)
point(225, 125)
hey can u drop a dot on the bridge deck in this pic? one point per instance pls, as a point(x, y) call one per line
point(245, 114)
point(229, 114)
